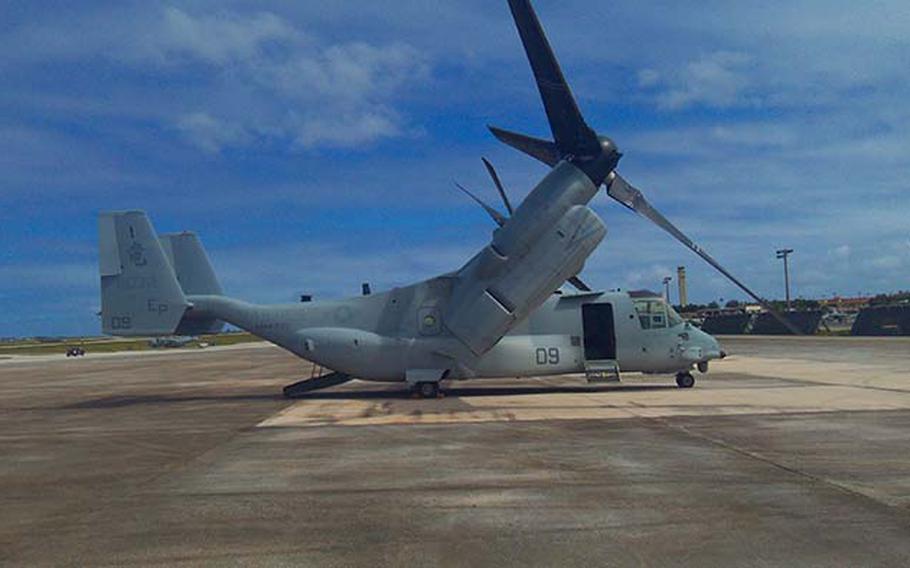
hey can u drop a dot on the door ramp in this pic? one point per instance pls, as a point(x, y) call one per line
point(603, 371)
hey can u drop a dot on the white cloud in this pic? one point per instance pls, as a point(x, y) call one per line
point(245, 78)
point(149, 34)
point(720, 79)
point(886, 262)
point(782, 124)
point(842, 252)
point(217, 39)
point(648, 278)
point(343, 73)
point(348, 130)
point(211, 134)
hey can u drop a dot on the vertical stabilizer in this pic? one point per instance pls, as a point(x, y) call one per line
point(191, 264)
point(196, 277)
point(140, 295)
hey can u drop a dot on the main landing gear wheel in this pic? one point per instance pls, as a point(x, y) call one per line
point(685, 380)
point(427, 390)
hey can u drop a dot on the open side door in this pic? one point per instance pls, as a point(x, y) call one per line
point(600, 343)
point(599, 332)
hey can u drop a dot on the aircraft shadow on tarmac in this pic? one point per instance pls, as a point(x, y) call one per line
point(110, 402)
point(468, 392)
point(113, 402)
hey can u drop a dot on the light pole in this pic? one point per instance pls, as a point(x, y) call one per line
point(784, 254)
point(667, 280)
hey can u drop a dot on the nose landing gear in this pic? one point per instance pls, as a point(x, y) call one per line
point(685, 380)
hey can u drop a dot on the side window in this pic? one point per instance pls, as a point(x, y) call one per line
point(652, 314)
point(644, 318)
point(658, 321)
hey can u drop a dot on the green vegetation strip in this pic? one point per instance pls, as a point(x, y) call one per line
point(104, 345)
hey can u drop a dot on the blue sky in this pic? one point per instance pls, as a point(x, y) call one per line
point(313, 145)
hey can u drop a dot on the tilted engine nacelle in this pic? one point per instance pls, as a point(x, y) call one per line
point(565, 187)
point(495, 292)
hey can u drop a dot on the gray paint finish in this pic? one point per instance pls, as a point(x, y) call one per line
point(386, 335)
point(495, 316)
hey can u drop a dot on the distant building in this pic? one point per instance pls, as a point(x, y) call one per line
point(846, 305)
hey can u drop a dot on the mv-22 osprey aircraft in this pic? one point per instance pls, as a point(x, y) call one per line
point(497, 316)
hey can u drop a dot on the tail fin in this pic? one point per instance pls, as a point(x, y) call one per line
point(140, 295)
point(191, 264)
point(196, 277)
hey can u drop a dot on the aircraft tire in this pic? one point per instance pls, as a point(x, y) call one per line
point(428, 390)
point(685, 380)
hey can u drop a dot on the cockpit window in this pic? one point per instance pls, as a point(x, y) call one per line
point(651, 313)
point(654, 313)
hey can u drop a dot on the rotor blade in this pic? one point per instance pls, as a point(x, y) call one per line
point(572, 134)
point(622, 191)
point(542, 150)
point(578, 284)
point(498, 182)
point(496, 215)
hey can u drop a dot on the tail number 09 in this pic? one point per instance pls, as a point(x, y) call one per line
point(547, 356)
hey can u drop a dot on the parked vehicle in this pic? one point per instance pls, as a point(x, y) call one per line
point(75, 351)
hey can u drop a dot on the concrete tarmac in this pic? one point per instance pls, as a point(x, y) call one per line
point(792, 452)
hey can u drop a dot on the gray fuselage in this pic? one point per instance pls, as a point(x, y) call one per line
point(384, 336)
